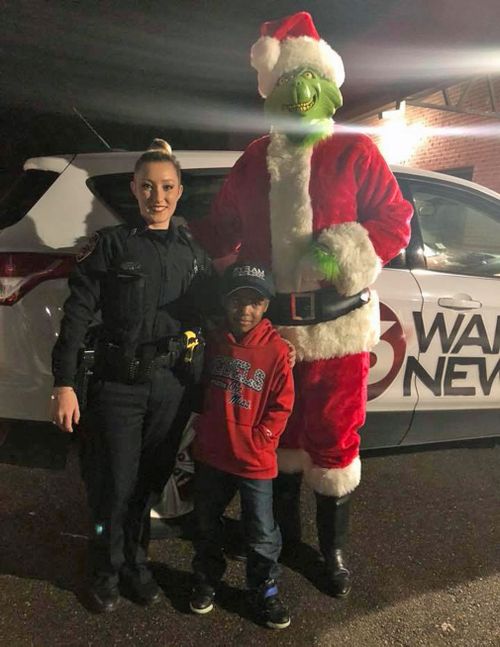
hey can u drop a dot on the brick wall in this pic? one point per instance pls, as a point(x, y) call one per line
point(461, 140)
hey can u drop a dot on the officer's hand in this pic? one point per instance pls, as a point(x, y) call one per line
point(64, 409)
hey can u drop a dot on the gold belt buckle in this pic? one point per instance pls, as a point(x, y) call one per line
point(191, 340)
point(305, 301)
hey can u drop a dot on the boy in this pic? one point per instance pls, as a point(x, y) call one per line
point(248, 400)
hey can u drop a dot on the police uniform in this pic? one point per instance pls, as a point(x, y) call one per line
point(148, 286)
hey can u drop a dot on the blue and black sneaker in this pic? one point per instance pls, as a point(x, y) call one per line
point(270, 609)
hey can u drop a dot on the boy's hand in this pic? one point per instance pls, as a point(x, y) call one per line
point(292, 353)
point(262, 436)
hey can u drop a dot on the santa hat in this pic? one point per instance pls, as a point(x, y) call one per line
point(289, 43)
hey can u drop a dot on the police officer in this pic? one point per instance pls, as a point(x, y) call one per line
point(143, 283)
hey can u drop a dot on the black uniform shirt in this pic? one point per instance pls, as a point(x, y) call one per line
point(145, 284)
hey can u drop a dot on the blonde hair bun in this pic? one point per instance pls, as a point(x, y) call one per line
point(160, 145)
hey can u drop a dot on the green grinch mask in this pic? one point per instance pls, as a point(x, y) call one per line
point(302, 104)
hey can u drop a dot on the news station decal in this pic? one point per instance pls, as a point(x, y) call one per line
point(451, 336)
point(464, 332)
point(388, 355)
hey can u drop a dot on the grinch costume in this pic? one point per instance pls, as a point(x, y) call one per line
point(324, 211)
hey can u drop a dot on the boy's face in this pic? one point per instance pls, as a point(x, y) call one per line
point(244, 309)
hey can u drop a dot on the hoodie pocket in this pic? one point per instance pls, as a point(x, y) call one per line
point(250, 447)
point(241, 444)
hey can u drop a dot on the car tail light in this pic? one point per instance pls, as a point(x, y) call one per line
point(20, 272)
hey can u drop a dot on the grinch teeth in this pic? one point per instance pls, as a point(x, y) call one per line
point(301, 107)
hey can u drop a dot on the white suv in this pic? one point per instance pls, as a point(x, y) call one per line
point(435, 373)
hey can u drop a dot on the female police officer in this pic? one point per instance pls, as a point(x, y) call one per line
point(143, 282)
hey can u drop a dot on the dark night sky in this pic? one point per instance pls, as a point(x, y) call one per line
point(181, 68)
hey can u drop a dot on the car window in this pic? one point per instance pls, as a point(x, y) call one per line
point(460, 232)
point(23, 194)
point(200, 188)
point(114, 190)
point(400, 262)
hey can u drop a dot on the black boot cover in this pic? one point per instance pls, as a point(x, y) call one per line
point(286, 505)
point(332, 521)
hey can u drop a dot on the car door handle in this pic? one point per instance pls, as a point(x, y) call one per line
point(460, 302)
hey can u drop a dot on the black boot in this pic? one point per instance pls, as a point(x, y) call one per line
point(286, 506)
point(103, 594)
point(332, 521)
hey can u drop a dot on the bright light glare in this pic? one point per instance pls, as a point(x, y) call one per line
point(423, 64)
point(397, 139)
point(486, 130)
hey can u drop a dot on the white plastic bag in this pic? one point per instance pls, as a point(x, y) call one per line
point(177, 497)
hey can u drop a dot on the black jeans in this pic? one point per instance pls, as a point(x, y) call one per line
point(131, 435)
point(212, 492)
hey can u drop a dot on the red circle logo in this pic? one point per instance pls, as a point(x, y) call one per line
point(388, 355)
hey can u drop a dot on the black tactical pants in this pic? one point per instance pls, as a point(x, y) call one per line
point(131, 437)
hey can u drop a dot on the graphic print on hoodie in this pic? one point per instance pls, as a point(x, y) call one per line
point(248, 400)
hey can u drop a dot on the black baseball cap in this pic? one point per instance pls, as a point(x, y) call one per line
point(248, 275)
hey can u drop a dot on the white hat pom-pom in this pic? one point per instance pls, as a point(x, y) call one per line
point(264, 55)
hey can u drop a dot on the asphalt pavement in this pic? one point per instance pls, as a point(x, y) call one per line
point(425, 551)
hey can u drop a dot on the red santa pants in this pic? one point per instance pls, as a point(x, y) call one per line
point(330, 407)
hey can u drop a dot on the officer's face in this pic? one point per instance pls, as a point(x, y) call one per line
point(157, 190)
point(244, 309)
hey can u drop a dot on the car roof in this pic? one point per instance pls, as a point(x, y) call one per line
point(434, 175)
point(123, 161)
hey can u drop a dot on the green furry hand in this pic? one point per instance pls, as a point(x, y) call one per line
point(315, 266)
point(325, 262)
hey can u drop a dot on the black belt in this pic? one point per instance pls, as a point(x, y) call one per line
point(306, 308)
point(112, 364)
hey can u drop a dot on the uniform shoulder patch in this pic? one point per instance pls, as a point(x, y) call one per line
point(88, 248)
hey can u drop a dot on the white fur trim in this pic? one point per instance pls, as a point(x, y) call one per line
point(291, 215)
point(355, 332)
point(291, 461)
point(355, 254)
point(334, 481)
point(294, 53)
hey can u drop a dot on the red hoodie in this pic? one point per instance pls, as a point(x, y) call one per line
point(247, 403)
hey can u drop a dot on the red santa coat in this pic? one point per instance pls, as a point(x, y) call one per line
point(276, 201)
